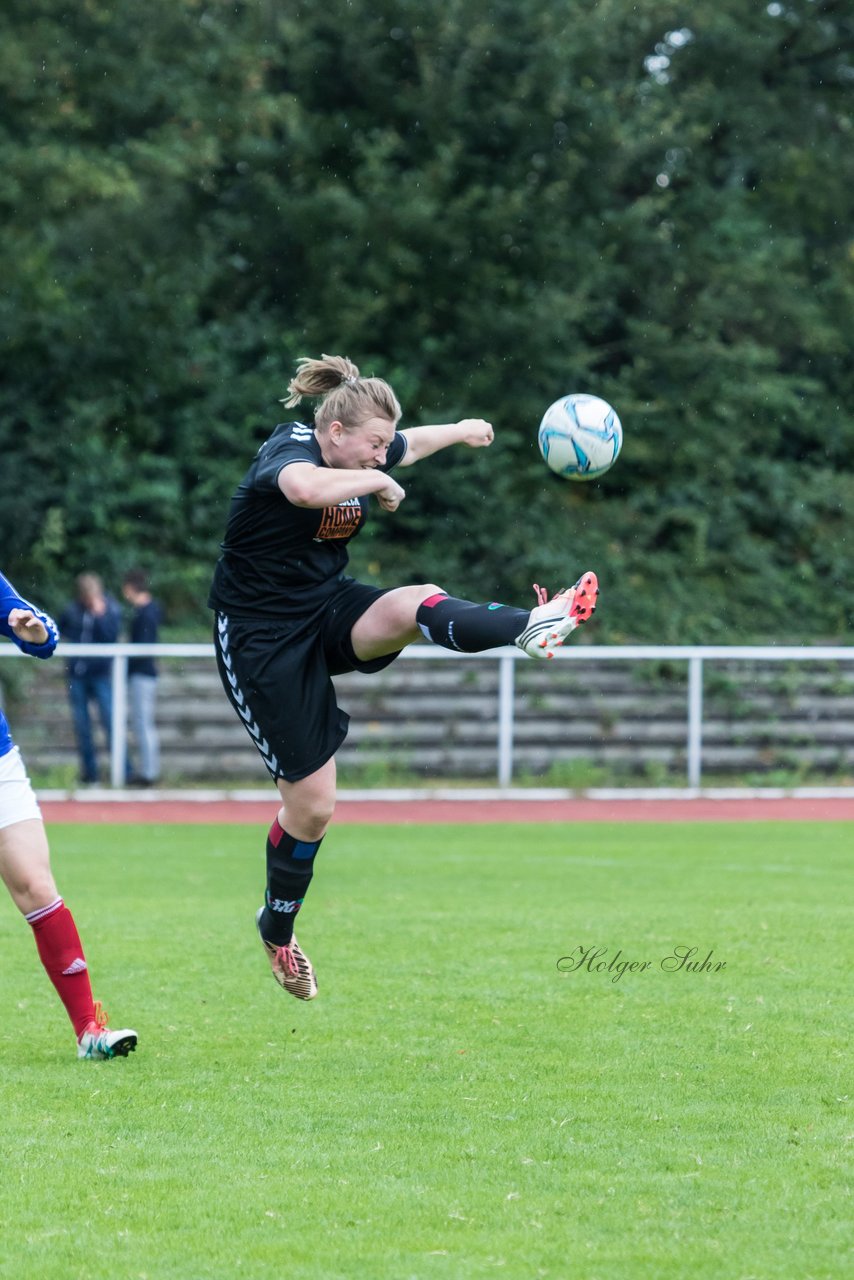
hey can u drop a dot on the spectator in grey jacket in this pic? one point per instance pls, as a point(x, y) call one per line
point(142, 677)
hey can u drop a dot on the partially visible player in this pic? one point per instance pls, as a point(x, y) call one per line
point(288, 618)
point(25, 859)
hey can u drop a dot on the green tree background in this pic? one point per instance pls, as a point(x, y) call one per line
point(489, 204)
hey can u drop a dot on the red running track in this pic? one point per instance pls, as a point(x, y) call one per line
point(422, 812)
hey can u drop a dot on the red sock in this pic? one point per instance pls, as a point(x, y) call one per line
point(61, 953)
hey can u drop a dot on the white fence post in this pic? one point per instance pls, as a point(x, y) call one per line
point(118, 735)
point(695, 720)
point(506, 687)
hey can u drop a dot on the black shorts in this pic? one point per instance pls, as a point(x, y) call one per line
point(276, 675)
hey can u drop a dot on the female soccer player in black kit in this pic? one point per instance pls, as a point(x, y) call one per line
point(288, 617)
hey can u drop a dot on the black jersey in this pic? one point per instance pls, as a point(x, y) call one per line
point(278, 560)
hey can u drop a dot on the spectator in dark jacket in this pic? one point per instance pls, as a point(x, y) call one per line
point(92, 617)
point(142, 677)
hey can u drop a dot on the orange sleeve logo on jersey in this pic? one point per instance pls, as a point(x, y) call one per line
point(341, 521)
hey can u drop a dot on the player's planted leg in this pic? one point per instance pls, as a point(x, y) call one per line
point(290, 866)
point(61, 953)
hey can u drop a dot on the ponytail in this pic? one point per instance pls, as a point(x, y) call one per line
point(344, 394)
point(317, 377)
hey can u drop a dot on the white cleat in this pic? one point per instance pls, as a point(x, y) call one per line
point(553, 620)
point(98, 1041)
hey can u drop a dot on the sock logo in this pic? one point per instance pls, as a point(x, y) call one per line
point(282, 904)
point(77, 966)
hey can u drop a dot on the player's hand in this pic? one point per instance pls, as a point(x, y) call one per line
point(391, 495)
point(27, 626)
point(477, 433)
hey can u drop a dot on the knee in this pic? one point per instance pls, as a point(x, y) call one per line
point(427, 590)
point(408, 602)
point(307, 817)
point(318, 818)
point(308, 804)
point(30, 891)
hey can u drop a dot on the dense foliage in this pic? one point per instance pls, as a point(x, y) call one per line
point(488, 203)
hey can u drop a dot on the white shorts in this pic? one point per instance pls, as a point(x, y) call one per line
point(17, 799)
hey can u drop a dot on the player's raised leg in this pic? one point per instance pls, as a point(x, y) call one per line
point(399, 617)
point(390, 623)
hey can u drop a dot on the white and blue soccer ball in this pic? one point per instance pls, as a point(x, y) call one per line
point(580, 437)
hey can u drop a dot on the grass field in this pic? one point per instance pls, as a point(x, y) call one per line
point(454, 1104)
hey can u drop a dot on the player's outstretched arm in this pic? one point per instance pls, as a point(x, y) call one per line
point(422, 441)
point(308, 486)
point(30, 628)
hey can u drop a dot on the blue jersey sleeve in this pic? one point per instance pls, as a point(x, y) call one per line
point(9, 600)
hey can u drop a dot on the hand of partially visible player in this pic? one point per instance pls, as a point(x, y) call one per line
point(27, 626)
point(541, 593)
point(477, 433)
point(391, 495)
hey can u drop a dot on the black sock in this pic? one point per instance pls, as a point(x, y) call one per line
point(290, 866)
point(469, 628)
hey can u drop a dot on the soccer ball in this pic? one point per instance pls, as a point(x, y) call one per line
point(580, 437)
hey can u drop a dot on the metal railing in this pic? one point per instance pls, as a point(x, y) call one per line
point(695, 656)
